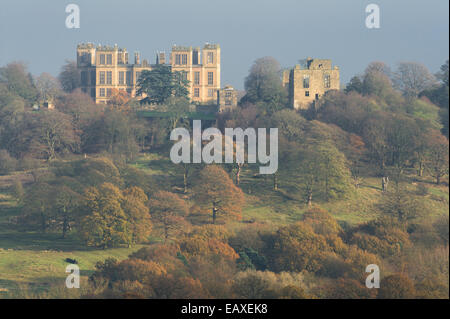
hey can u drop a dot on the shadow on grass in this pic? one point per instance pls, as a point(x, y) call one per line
point(39, 241)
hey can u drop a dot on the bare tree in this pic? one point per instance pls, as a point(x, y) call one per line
point(412, 78)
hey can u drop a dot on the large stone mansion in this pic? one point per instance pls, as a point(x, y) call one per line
point(103, 68)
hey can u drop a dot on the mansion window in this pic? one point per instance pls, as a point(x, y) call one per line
point(306, 81)
point(210, 78)
point(92, 77)
point(210, 92)
point(108, 92)
point(196, 92)
point(197, 78)
point(102, 59)
point(210, 57)
point(184, 59)
point(128, 77)
point(109, 59)
point(306, 93)
point(102, 77)
point(109, 77)
point(102, 92)
point(326, 81)
point(177, 58)
point(121, 77)
point(84, 78)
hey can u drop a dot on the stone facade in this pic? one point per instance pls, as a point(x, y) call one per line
point(307, 83)
point(227, 98)
point(103, 68)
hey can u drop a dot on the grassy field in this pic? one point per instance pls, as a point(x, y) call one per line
point(33, 261)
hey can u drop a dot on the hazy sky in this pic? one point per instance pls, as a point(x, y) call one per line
point(34, 31)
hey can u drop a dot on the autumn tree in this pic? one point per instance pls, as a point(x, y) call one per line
point(135, 207)
point(396, 286)
point(214, 190)
point(113, 217)
point(169, 210)
point(437, 158)
point(38, 209)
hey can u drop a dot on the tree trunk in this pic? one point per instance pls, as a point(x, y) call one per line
point(185, 179)
point(309, 198)
point(214, 214)
point(238, 175)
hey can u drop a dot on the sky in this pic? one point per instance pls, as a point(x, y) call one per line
point(34, 31)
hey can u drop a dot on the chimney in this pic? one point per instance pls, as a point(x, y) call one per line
point(160, 57)
point(137, 58)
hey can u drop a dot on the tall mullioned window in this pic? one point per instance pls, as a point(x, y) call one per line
point(177, 58)
point(84, 78)
point(326, 81)
point(102, 59)
point(128, 77)
point(109, 59)
point(184, 59)
point(210, 78)
point(210, 57)
point(121, 77)
point(109, 77)
point(197, 78)
point(306, 81)
point(102, 92)
point(92, 77)
point(196, 92)
point(102, 77)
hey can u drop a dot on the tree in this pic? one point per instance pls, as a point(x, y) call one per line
point(48, 87)
point(400, 205)
point(442, 75)
point(7, 162)
point(397, 286)
point(39, 206)
point(16, 79)
point(67, 204)
point(214, 190)
point(169, 210)
point(53, 133)
point(135, 207)
point(263, 84)
point(412, 78)
point(438, 155)
point(69, 77)
point(322, 169)
point(113, 217)
point(295, 248)
point(160, 83)
point(355, 84)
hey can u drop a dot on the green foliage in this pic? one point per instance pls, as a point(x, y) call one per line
point(160, 83)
